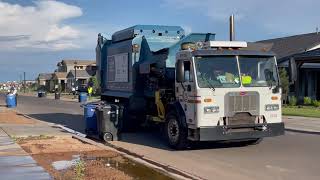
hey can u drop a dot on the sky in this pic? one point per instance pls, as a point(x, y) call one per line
point(36, 34)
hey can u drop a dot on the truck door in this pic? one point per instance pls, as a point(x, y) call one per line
point(189, 95)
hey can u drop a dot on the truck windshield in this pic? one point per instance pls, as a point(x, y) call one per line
point(257, 71)
point(217, 72)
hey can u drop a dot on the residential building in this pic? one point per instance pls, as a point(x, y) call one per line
point(303, 51)
point(82, 70)
point(68, 65)
point(44, 81)
point(60, 80)
point(82, 78)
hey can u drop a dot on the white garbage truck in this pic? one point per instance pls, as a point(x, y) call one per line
point(196, 88)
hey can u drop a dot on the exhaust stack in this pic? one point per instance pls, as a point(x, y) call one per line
point(231, 25)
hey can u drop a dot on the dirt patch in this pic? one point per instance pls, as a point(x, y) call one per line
point(84, 161)
point(12, 117)
point(47, 150)
point(54, 145)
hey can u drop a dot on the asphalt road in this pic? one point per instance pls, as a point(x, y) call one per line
point(292, 156)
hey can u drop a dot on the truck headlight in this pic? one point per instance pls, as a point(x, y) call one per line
point(272, 107)
point(211, 109)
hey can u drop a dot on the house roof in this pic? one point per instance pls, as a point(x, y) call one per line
point(80, 74)
point(287, 46)
point(60, 75)
point(45, 76)
point(79, 62)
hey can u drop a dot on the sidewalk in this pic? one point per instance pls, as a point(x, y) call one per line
point(302, 124)
point(16, 164)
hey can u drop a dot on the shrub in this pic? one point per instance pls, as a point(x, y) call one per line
point(292, 101)
point(307, 101)
point(284, 79)
point(316, 103)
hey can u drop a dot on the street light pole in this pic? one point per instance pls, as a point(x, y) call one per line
point(75, 77)
point(24, 82)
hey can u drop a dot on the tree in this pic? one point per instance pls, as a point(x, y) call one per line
point(95, 84)
point(284, 79)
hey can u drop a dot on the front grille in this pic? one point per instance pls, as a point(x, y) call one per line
point(241, 118)
point(237, 102)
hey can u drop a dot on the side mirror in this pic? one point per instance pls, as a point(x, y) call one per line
point(180, 71)
point(292, 70)
point(276, 89)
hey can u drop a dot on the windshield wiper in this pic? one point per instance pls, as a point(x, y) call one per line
point(208, 82)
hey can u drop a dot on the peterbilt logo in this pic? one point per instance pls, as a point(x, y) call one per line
point(243, 93)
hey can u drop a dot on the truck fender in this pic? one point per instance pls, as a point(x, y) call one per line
point(177, 108)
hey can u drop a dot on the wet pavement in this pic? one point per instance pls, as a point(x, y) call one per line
point(16, 164)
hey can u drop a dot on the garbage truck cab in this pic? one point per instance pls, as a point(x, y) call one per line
point(225, 93)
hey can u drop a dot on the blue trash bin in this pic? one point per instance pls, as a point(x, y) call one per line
point(11, 101)
point(82, 97)
point(90, 118)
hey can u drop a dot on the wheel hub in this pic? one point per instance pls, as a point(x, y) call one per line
point(173, 130)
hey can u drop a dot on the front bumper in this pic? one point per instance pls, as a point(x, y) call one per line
point(238, 132)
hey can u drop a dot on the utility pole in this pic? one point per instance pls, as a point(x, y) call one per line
point(75, 78)
point(24, 82)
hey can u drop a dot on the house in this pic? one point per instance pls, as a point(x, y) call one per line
point(68, 65)
point(69, 70)
point(60, 79)
point(44, 81)
point(303, 51)
point(80, 77)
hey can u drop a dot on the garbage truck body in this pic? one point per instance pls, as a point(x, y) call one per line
point(197, 88)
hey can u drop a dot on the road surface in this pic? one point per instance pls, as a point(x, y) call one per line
point(292, 156)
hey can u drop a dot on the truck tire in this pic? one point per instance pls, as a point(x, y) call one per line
point(176, 134)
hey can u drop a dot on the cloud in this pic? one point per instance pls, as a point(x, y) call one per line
point(276, 17)
point(24, 27)
point(14, 38)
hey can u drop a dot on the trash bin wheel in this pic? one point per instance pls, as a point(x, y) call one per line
point(107, 137)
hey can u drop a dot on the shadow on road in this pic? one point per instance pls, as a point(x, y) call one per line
point(71, 121)
point(151, 138)
point(155, 139)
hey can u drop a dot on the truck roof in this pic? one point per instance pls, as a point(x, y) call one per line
point(147, 30)
point(225, 52)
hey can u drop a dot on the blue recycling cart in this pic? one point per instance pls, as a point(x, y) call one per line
point(11, 101)
point(90, 117)
point(83, 97)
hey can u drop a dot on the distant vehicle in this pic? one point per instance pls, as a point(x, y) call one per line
point(199, 89)
point(81, 88)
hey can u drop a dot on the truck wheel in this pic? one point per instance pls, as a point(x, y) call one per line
point(176, 134)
